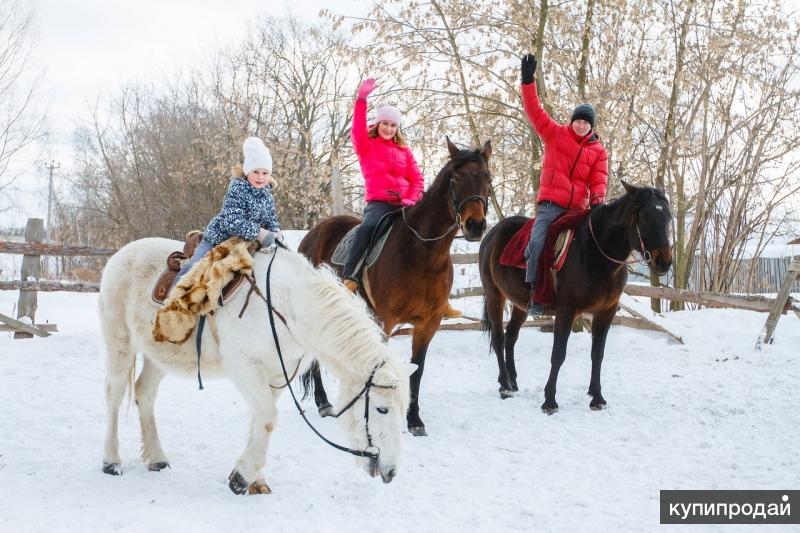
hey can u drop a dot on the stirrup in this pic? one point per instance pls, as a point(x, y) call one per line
point(535, 309)
point(351, 285)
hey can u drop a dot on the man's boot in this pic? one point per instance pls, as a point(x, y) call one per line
point(452, 312)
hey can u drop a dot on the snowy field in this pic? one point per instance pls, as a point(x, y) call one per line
point(710, 414)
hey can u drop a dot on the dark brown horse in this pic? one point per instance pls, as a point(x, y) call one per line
point(411, 280)
point(591, 280)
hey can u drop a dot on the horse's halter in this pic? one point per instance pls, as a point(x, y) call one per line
point(457, 206)
point(371, 452)
point(646, 255)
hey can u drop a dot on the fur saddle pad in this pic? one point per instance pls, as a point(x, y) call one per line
point(199, 292)
point(378, 240)
point(514, 253)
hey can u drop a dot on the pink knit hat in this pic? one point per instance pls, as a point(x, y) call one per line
point(388, 113)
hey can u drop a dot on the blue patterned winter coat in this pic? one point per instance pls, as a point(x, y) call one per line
point(244, 211)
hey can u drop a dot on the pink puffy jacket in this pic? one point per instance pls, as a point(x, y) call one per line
point(390, 171)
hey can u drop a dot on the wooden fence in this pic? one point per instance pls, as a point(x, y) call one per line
point(33, 249)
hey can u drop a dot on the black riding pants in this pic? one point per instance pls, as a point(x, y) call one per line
point(372, 214)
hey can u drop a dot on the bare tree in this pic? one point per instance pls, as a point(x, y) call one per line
point(20, 125)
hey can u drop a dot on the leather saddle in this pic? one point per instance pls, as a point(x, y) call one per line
point(174, 262)
point(373, 251)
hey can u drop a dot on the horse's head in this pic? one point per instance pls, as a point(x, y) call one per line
point(469, 187)
point(376, 421)
point(652, 221)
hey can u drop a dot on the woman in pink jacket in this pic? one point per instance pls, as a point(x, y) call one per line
point(392, 178)
point(391, 174)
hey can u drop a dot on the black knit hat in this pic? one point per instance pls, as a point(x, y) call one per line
point(584, 112)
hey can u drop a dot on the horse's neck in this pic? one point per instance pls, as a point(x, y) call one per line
point(331, 326)
point(351, 372)
point(611, 229)
point(431, 217)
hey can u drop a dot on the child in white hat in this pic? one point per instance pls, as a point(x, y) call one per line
point(248, 210)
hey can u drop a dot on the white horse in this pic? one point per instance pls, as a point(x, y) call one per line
point(322, 318)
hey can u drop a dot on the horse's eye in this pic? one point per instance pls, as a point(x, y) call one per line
point(382, 410)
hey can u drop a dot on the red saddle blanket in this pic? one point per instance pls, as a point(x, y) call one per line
point(514, 252)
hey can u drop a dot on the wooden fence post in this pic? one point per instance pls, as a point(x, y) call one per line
point(31, 268)
point(792, 275)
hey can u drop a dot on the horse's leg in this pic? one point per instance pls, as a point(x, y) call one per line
point(320, 396)
point(253, 383)
point(423, 333)
point(493, 319)
point(146, 388)
point(601, 322)
point(518, 317)
point(561, 331)
point(119, 364)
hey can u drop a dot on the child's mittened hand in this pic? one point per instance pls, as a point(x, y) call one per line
point(272, 182)
point(407, 202)
point(367, 86)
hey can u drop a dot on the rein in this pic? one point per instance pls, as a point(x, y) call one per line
point(646, 256)
point(456, 207)
point(371, 451)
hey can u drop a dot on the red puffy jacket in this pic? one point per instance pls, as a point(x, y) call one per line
point(574, 168)
point(390, 171)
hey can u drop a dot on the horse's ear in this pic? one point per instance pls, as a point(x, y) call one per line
point(487, 150)
point(451, 147)
point(631, 189)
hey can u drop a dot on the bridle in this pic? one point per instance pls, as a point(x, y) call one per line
point(372, 452)
point(457, 206)
point(646, 255)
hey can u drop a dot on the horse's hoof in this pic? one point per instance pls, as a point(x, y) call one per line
point(237, 483)
point(418, 431)
point(506, 393)
point(112, 469)
point(157, 467)
point(514, 386)
point(325, 409)
point(258, 487)
point(596, 405)
point(549, 407)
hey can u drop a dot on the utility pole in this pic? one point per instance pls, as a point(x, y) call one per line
point(51, 167)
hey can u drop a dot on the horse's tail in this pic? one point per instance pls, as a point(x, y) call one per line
point(486, 326)
point(307, 379)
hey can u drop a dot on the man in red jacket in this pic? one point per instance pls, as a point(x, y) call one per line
point(574, 171)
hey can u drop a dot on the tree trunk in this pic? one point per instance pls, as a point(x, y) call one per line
point(476, 139)
point(587, 33)
point(667, 145)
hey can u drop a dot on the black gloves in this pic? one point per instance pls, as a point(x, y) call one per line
point(528, 68)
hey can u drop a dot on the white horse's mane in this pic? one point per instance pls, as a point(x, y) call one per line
point(343, 320)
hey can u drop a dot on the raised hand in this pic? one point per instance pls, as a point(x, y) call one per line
point(366, 87)
point(528, 68)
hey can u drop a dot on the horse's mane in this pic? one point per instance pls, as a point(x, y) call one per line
point(624, 206)
point(343, 320)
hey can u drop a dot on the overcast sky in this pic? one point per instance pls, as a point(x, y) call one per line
point(85, 48)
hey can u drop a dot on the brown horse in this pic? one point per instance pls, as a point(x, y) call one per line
point(411, 280)
point(591, 280)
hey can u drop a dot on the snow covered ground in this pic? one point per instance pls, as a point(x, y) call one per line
point(710, 414)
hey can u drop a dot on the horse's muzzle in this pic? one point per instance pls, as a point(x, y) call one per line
point(473, 230)
point(389, 476)
point(661, 261)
